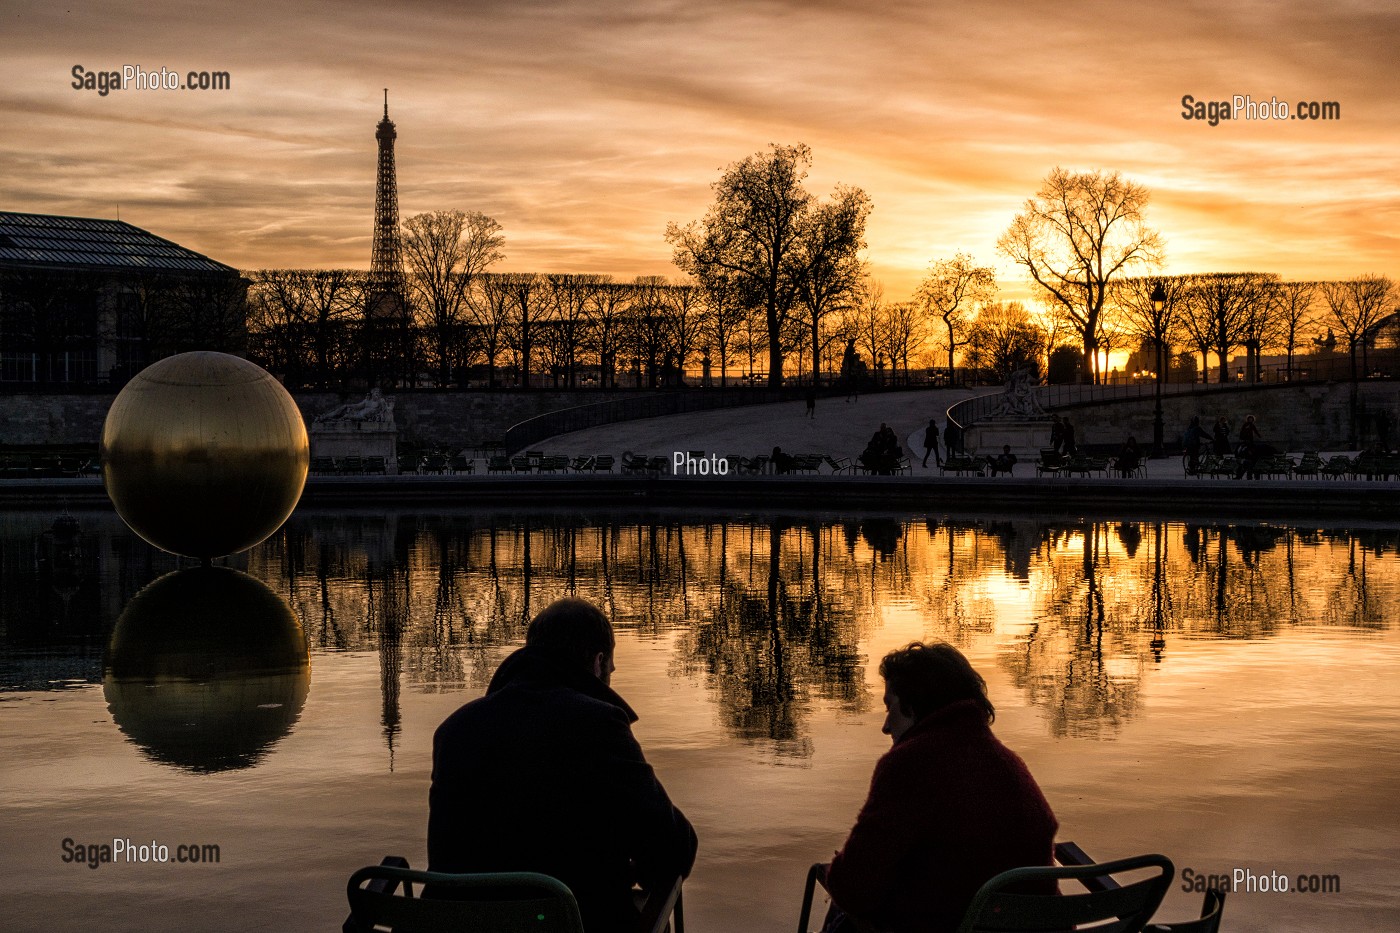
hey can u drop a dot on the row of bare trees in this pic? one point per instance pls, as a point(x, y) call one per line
point(773, 272)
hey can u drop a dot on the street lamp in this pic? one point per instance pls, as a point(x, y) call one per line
point(1159, 305)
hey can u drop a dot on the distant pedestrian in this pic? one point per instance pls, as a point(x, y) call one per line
point(812, 402)
point(931, 443)
point(1068, 436)
point(1220, 437)
point(1191, 441)
point(1057, 433)
point(1249, 431)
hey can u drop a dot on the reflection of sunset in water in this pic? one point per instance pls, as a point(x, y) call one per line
point(1225, 694)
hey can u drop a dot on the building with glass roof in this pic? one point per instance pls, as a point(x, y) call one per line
point(88, 301)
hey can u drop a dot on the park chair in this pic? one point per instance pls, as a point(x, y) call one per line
point(1212, 909)
point(603, 463)
point(1051, 461)
point(322, 465)
point(1118, 908)
point(461, 464)
point(963, 463)
point(498, 464)
point(1137, 471)
point(382, 899)
point(352, 466)
point(838, 466)
point(633, 463)
point(581, 464)
point(1123, 908)
point(1338, 467)
point(1310, 465)
point(435, 463)
point(375, 465)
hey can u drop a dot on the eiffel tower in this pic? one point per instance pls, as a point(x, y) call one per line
point(385, 294)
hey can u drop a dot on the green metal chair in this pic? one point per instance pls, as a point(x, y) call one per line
point(1212, 908)
point(1116, 908)
point(382, 899)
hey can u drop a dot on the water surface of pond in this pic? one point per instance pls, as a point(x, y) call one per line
point(1227, 695)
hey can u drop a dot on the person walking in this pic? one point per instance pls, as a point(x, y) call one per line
point(812, 402)
point(952, 439)
point(1057, 433)
point(1220, 437)
point(1191, 441)
point(931, 443)
point(1068, 429)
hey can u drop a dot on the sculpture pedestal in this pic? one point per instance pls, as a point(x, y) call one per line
point(357, 439)
point(1026, 437)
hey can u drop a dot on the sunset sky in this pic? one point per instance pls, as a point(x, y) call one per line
point(585, 127)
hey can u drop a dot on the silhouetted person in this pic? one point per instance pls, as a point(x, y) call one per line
point(812, 403)
point(1220, 437)
point(543, 774)
point(1249, 431)
point(952, 438)
point(1057, 433)
point(1068, 433)
point(1129, 456)
point(949, 806)
point(782, 463)
point(931, 443)
point(1003, 462)
point(1191, 441)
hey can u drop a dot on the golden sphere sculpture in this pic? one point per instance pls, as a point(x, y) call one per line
point(204, 454)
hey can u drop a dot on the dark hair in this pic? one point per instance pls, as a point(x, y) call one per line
point(926, 678)
point(572, 630)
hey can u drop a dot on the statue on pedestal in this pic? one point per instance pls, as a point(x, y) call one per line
point(1018, 401)
point(374, 407)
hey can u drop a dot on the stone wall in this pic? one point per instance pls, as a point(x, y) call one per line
point(1291, 418)
point(423, 417)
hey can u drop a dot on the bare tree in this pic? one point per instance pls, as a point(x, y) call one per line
point(951, 289)
point(445, 251)
point(1080, 232)
point(571, 297)
point(829, 272)
point(1219, 310)
point(1295, 303)
point(685, 321)
point(1004, 338)
point(725, 314)
point(529, 309)
point(607, 318)
point(869, 324)
point(751, 232)
point(1358, 305)
point(648, 325)
point(491, 304)
point(1137, 314)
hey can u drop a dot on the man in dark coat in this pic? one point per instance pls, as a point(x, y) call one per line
point(950, 806)
point(543, 774)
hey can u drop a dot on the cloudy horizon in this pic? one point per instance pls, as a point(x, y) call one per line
point(585, 128)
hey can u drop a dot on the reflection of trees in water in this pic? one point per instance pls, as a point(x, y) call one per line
point(1082, 662)
point(771, 613)
point(771, 638)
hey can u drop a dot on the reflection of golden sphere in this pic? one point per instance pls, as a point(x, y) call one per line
point(206, 669)
point(204, 454)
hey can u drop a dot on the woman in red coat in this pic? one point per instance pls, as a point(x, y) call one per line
point(950, 806)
